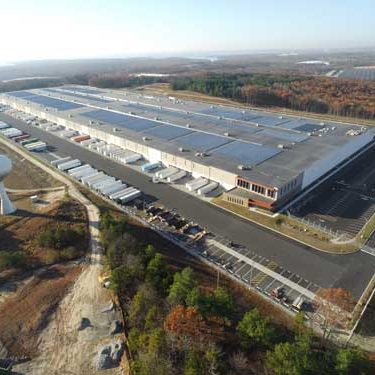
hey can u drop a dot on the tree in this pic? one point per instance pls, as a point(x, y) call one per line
point(144, 298)
point(352, 362)
point(293, 358)
point(219, 303)
point(158, 274)
point(239, 362)
point(214, 361)
point(183, 283)
point(194, 364)
point(254, 330)
point(124, 280)
point(222, 304)
point(189, 327)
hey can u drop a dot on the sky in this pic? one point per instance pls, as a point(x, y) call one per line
point(55, 29)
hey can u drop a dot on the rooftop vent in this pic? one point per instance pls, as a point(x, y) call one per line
point(181, 149)
point(115, 130)
point(91, 122)
point(226, 134)
point(257, 124)
point(243, 112)
point(188, 125)
point(109, 107)
point(70, 115)
point(281, 117)
point(243, 167)
point(280, 146)
point(322, 123)
point(145, 139)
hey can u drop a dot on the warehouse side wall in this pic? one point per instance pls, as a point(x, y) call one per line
point(321, 167)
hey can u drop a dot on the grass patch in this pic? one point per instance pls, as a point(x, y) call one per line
point(289, 227)
point(367, 230)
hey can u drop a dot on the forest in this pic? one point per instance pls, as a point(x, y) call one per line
point(175, 325)
point(333, 96)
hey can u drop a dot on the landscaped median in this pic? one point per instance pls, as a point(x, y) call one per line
point(294, 229)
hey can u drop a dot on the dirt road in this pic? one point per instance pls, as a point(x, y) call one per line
point(63, 346)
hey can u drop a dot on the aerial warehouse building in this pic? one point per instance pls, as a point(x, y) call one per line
point(6, 206)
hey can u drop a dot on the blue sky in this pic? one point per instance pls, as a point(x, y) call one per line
point(37, 29)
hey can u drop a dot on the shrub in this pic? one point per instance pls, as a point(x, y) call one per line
point(15, 259)
point(69, 253)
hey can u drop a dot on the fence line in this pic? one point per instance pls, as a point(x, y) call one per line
point(317, 226)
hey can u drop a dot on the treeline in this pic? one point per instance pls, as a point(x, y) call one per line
point(28, 84)
point(119, 80)
point(175, 326)
point(352, 98)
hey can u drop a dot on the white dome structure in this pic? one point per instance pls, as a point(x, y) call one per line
point(6, 206)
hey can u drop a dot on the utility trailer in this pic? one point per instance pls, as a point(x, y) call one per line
point(177, 176)
point(84, 173)
point(106, 180)
point(130, 197)
point(97, 180)
point(28, 141)
point(117, 186)
point(78, 169)
point(130, 158)
point(56, 162)
point(69, 165)
point(89, 180)
point(38, 146)
point(208, 188)
point(150, 166)
point(120, 193)
point(196, 184)
point(166, 172)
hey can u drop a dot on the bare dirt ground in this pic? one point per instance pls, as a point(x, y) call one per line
point(61, 347)
point(26, 175)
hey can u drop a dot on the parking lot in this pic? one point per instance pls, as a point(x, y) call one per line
point(346, 202)
point(253, 270)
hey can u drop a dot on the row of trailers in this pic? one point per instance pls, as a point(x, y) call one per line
point(200, 185)
point(24, 139)
point(102, 183)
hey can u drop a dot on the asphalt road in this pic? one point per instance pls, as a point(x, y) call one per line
point(352, 272)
